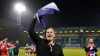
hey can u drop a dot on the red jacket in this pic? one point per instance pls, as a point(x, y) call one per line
point(4, 50)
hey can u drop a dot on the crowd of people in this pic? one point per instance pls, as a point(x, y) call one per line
point(8, 48)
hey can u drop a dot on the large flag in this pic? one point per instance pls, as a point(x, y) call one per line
point(50, 8)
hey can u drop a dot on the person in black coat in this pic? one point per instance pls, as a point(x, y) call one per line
point(46, 46)
point(16, 49)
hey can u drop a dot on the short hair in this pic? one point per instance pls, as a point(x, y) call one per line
point(46, 29)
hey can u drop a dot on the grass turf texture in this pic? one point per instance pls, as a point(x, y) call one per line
point(67, 52)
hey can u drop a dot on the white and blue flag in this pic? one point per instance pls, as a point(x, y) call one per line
point(50, 8)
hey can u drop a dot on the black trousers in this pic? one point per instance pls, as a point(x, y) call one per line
point(16, 54)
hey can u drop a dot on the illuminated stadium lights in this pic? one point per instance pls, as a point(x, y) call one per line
point(36, 32)
point(19, 7)
point(41, 32)
point(60, 31)
point(76, 31)
point(92, 31)
point(65, 31)
point(25, 31)
point(70, 31)
point(81, 30)
point(98, 31)
point(87, 31)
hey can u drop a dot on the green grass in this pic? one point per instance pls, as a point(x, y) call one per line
point(67, 52)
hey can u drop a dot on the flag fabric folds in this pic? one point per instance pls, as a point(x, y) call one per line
point(47, 9)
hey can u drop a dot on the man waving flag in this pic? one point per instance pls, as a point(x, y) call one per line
point(45, 46)
point(50, 8)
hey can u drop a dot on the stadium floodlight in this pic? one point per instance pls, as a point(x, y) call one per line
point(81, 30)
point(76, 31)
point(70, 31)
point(19, 7)
point(98, 31)
point(41, 32)
point(25, 31)
point(36, 32)
point(65, 31)
point(92, 31)
point(87, 31)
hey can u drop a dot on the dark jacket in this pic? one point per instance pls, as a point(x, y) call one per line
point(16, 49)
point(87, 49)
point(42, 47)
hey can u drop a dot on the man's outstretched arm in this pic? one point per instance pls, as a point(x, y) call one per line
point(31, 31)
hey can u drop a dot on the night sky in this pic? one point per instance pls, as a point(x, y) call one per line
point(73, 13)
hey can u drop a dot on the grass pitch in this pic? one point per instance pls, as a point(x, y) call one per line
point(66, 51)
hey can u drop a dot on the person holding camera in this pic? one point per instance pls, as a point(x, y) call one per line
point(91, 48)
